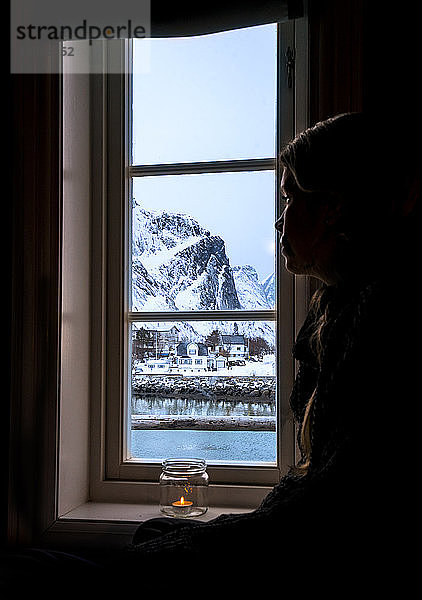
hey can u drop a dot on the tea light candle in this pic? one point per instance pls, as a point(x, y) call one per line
point(182, 507)
point(188, 477)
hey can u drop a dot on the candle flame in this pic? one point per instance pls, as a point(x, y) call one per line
point(182, 500)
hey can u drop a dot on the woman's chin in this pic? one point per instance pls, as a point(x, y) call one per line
point(299, 268)
point(291, 265)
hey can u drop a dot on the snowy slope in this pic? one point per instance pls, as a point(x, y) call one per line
point(250, 291)
point(268, 285)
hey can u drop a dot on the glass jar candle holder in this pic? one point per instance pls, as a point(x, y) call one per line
point(184, 487)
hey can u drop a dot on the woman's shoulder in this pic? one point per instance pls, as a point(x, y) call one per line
point(384, 304)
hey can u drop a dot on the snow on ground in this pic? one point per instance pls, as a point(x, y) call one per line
point(251, 369)
point(256, 369)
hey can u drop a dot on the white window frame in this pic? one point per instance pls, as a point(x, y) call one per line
point(113, 478)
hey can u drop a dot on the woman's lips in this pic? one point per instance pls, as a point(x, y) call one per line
point(285, 247)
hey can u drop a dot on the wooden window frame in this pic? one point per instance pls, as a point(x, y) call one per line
point(110, 352)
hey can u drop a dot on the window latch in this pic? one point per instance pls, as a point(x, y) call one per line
point(290, 65)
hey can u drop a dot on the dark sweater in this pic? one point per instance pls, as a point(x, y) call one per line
point(349, 507)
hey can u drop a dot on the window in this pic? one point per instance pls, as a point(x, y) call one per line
point(203, 239)
point(196, 314)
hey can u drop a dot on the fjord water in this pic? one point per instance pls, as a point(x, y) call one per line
point(248, 446)
point(245, 446)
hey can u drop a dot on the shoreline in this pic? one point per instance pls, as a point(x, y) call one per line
point(208, 387)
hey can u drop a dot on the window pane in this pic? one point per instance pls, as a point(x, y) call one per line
point(203, 389)
point(203, 242)
point(208, 97)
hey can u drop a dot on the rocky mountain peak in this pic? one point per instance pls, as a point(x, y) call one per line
point(178, 265)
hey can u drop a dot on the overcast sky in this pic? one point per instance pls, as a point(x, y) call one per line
point(211, 98)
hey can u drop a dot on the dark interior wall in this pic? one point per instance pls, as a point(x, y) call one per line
point(29, 420)
point(336, 35)
point(359, 59)
point(365, 55)
point(393, 61)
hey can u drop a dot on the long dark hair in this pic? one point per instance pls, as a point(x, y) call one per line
point(319, 308)
point(370, 168)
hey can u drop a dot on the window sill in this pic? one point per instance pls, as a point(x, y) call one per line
point(110, 525)
point(133, 513)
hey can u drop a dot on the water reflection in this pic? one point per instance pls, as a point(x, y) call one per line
point(158, 405)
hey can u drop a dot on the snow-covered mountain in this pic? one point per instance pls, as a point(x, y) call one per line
point(250, 291)
point(269, 289)
point(178, 265)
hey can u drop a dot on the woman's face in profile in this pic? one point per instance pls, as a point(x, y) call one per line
point(305, 240)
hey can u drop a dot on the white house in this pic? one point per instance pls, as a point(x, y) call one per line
point(217, 362)
point(236, 346)
point(192, 357)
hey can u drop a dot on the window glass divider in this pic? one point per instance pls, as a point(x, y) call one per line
point(189, 168)
point(204, 315)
